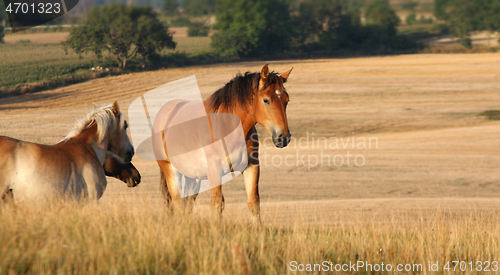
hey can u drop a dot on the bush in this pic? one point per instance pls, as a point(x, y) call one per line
point(198, 29)
point(411, 19)
point(180, 22)
point(424, 20)
point(442, 29)
point(199, 7)
point(231, 43)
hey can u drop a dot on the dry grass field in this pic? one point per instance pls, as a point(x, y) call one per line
point(426, 190)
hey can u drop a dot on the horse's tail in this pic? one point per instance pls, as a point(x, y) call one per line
point(164, 188)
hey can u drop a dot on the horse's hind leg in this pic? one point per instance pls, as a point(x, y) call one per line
point(164, 189)
point(168, 185)
point(217, 199)
point(214, 174)
point(193, 187)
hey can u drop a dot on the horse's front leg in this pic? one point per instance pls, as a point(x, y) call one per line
point(214, 181)
point(251, 178)
point(251, 175)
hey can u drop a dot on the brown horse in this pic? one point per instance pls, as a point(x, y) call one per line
point(253, 98)
point(74, 166)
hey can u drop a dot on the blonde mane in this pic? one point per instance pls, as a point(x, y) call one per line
point(103, 117)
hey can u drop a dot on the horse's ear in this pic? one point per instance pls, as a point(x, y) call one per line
point(285, 75)
point(264, 75)
point(116, 108)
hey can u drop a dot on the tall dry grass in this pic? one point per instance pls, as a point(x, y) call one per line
point(126, 238)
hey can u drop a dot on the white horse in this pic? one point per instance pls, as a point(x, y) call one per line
point(74, 166)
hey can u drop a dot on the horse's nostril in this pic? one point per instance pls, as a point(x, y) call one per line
point(128, 156)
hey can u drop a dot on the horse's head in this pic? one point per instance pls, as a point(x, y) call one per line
point(118, 141)
point(270, 106)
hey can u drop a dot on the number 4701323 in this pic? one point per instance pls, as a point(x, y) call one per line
point(483, 266)
point(33, 8)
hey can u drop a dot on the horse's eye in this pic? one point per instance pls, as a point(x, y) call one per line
point(267, 101)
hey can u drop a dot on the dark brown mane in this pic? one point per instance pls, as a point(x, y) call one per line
point(240, 90)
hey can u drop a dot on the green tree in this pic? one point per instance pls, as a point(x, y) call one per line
point(170, 7)
point(123, 31)
point(379, 12)
point(251, 28)
point(466, 16)
point(314, 17)
point(353, 9)
point(198, 29)
point(199, 7)
point(410, 5)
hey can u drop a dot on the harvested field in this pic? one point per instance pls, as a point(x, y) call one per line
point(427, 184)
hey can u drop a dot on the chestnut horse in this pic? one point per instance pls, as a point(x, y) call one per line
point(253, 98)
point(74, 166)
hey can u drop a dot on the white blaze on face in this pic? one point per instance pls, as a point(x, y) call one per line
point(278, 93)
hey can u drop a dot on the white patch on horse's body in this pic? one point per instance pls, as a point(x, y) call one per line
point(278, 93)
point(197, 158)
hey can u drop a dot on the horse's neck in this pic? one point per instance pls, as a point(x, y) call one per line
point(247, 121)
point(100, 151)
point(247, 118)
point(89, 136)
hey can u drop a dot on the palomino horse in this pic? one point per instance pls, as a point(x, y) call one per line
point(253, 98)
point(74, 166)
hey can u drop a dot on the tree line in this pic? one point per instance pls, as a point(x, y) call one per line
point(262, 28)
point(244, 29)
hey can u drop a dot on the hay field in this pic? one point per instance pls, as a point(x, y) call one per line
point(427, 190)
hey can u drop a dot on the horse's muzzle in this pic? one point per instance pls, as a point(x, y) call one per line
point(128, 156)
point(281, 141)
